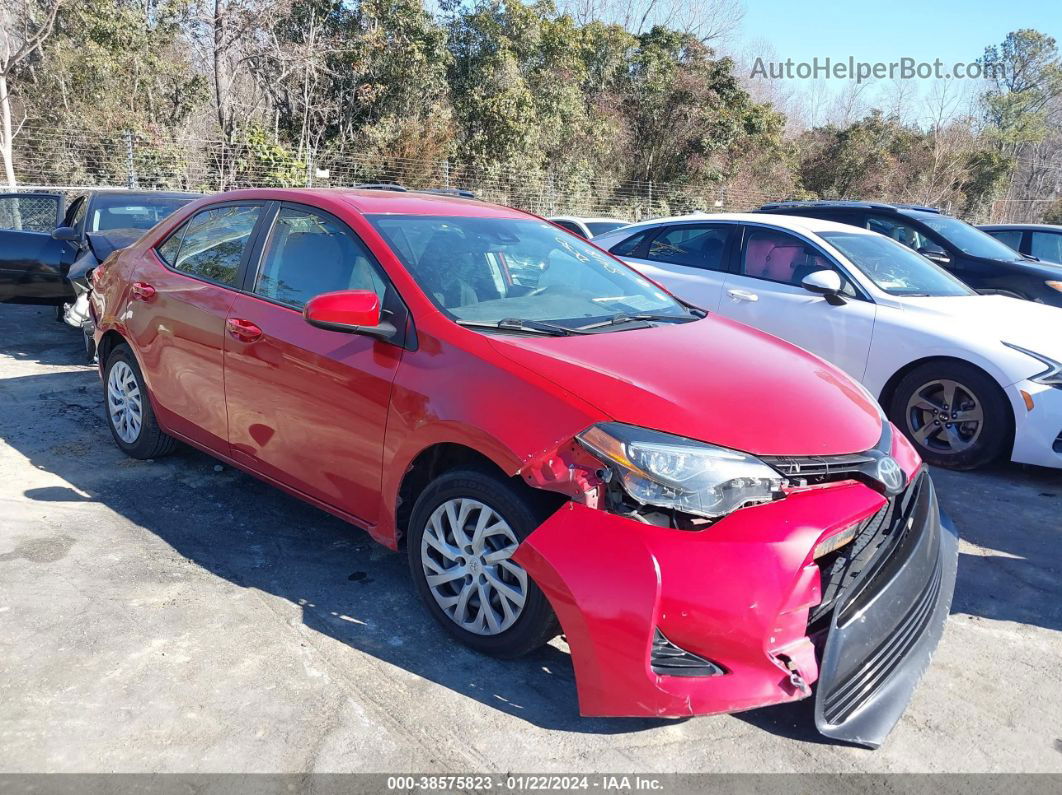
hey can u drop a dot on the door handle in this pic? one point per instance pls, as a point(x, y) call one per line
point(742, 295)
point(243, 330)
point(142, 290)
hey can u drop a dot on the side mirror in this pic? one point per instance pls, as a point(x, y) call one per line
point(826, 283)
point(352, 311)
point(935, 255)
point(66, 233)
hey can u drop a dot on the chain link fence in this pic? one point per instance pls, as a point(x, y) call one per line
point(72, 160)
point(27, 213)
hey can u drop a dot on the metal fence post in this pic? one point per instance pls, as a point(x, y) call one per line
point(649, 210)
point(130, 166)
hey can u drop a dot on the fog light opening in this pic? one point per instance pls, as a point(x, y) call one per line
point(667, 659)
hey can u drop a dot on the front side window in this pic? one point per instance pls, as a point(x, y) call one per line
point(493, 269)
point(893, 267)
point(902, 232)
point(780, 257)
point(309, 254)
point(1047, 246)
point(212, 243)
point(692, 245)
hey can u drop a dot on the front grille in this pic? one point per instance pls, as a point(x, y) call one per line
point(847, 695)
point(819, 469)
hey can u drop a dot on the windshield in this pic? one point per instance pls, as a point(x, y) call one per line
point(893, 267)
point(600, 227)
point(127, 212)
point(968, 239)
point(492, 269)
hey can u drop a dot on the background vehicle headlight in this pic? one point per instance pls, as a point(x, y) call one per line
point(1052, 376)
point(1055, 285)
point(685, 475)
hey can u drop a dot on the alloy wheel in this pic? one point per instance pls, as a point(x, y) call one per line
point(466, 552)
point(124, 402)
point(945, 416)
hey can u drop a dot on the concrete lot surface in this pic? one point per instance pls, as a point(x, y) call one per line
point(178, 615)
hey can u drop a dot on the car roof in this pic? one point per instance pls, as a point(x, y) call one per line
point(127, 192)
point(794, 223)
point(1050, 227)
point(373, 201)
point(588, 219)
point(840, 204)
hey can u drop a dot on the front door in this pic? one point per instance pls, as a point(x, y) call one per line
point(33, 265)
point(306, 406)
point(766, 294)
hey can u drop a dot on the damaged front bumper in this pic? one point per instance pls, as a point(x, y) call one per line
point(737, 597)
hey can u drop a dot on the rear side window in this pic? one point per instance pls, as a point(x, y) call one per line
point(310, 254)
point(573, 228)
point(211, 243)
point(692, 245)
point(1009, 237)
point(628, 247)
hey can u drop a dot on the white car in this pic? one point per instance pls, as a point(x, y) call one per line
point(967, 377)
point(588, 227)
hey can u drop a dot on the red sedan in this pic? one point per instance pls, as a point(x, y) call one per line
point(716, 520)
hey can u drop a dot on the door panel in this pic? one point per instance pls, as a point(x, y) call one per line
point(689, 260)
point(767, 295)
point(308, 406)
point(33, 268)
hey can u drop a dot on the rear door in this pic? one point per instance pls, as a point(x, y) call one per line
point(689, 259)
point(766, 294)
point(1046, 245)
point(308, 406)
point(181, 294)
point(32, 264)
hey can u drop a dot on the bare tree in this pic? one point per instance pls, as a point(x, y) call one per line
point(710, 21)
point(24, 26)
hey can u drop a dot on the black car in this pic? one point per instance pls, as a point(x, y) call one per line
point(984, 263)
point(1042, 241)
point(40, 238)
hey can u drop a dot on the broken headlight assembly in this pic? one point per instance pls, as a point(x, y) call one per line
point(679, 474)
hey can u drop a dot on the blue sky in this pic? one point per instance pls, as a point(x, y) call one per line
point(953, 30)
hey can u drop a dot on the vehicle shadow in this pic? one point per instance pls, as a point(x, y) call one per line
point(354, 591)
point(346, 586)
point(40, 337)
point(1011, 514)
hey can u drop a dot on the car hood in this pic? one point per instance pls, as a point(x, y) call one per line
point(995, 318)
point(714, 380)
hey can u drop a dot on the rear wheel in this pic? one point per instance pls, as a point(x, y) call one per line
point(463, 531)
point(129, 414)
point(954, 413)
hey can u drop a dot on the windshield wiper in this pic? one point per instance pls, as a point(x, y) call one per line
point(621, 318)
point(530, 326)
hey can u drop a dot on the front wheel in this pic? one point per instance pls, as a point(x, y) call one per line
point(463, 531)
point(129, 414)
point(954, 413)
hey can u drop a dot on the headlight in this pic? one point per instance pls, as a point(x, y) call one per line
point(685, 475)
point(1055, 285)
point(1052, 376)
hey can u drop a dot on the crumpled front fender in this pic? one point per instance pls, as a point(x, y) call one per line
point(736, 593)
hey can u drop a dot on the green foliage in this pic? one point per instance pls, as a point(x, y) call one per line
point(1027, 77)
point(1053, 214)
point(264, 163)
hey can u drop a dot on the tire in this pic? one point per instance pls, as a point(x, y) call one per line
point(90, 344)
point(124, 388)
point(530, 626)
point(958, 445)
